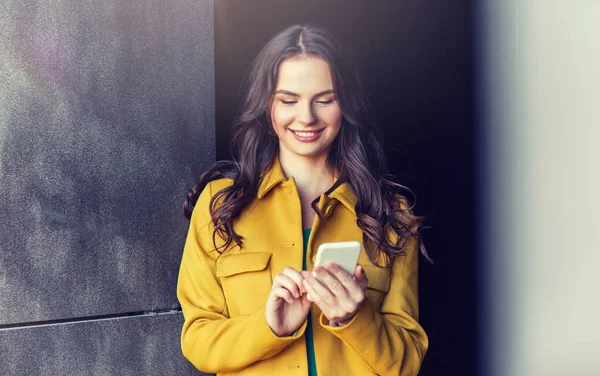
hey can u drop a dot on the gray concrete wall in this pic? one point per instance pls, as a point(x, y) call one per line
point(106, 119)
point(129, 346)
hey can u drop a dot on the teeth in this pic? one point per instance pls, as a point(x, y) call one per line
point(306, 134)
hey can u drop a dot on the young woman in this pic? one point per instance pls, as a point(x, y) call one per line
point(307, 169)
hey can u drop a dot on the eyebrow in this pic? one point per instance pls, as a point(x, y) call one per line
point(287, 92)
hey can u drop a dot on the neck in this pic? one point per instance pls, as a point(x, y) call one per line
point(311, 174)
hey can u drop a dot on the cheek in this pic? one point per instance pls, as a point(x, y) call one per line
point(332, 116)
point(281, 117)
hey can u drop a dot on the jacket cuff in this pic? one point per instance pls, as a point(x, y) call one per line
point(363, 319)
point(267, 338)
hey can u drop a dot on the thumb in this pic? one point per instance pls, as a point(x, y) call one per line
point(305, 302)
point(361, 277)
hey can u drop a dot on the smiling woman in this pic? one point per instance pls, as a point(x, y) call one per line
point(305, 115)
point(307, 169)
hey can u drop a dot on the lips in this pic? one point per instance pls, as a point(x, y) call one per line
point(306, 136)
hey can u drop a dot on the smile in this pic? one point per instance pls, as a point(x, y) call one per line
point(307, 136)
point(304, 134)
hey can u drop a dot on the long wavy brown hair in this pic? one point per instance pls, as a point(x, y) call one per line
point(383, 213)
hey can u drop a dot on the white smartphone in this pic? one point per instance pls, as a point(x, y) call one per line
point(345, 254)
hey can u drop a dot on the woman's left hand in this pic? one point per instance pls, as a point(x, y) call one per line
point(338, 294)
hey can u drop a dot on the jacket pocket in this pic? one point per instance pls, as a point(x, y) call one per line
point(378, 286)
point(246, 281)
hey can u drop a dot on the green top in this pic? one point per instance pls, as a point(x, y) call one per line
point(310, 346)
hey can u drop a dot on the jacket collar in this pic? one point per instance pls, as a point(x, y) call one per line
point(271, 178)
point(343, 193)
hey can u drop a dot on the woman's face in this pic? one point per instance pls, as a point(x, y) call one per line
point(305, 113)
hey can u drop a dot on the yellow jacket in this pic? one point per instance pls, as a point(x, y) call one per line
point(223, 297)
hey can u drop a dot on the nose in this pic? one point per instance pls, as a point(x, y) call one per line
point(306, 115)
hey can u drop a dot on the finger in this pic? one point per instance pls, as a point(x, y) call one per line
point(312, 296)
point(359, 285)
point(360, 282)
point(305, 274)
point(361, 277)
point(345, 278)
point(333, 267)
point(353, 293)
point(319, 294)
point(346, 299)
point(288, 283)
point(331, 281)
point(283, 281)
point(332, 313)
point(306, 302)
point(282, 293)
point(295, 276)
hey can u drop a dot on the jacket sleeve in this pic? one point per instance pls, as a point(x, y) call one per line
point(396, 343)
point(210, 340)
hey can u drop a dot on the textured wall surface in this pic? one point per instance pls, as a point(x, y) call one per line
point(131, 346)
point(106, 120)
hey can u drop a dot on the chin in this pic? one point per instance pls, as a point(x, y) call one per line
point(312, 154)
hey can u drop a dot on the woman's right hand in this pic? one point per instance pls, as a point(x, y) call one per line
point(287, 304)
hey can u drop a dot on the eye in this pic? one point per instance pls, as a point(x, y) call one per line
point(325, 102)
point(287, 102)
